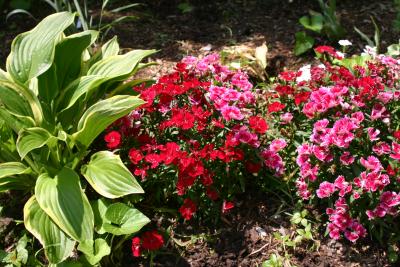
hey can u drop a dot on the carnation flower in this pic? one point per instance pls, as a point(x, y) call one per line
point(152, 240)
point(113, 139)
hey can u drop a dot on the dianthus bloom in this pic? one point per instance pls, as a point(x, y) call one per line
point(113, 139)
point(258, 124)
point(152, 240)
point(136, 247)
point(187, 209)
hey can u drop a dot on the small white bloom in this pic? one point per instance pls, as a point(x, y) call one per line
point(339, 54)
point(321, 66)
point(345, 43)
point(371, 51)
point(305, 74)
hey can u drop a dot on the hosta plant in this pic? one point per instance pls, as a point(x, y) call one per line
point(52, 107)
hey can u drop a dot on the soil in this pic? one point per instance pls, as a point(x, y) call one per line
point(245, 236)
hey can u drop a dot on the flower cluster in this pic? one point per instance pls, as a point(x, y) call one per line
point(198, 136)
point(344, 118)
point(148, 241)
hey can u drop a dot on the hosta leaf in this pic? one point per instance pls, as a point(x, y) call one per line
point(110, 48)
point(94, 250)
point(107, 174)
point(62, 199)
point(124, 220)
point(32, 52)
point(119, 66)
point(78, 88)
point(15, 122)
point(14, 102)
point(69, 67)
point(57, 245)
point(99, 208)
point(314, 22)
point(13, 168)
point(99, 116)
point(303, 43)
point(9, 180)
point(32, 138)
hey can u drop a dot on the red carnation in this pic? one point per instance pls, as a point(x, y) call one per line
point(212, 194)
point(227, 205)
point(136, 247)
point(152, 240)
point(252, 167)
point(396, 135)
point(275, 107)
point(113, 139)
point(258, 124)
point(135, 156)
point(188, 209)
point(301, 97)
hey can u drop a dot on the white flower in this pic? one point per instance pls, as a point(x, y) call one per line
point(371, 51)
point(305, 74)
point(339, 54)
point(345, 43)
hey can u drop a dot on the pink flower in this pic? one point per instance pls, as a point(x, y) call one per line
point(371, 163)
point(342, 185)
point(286, 117)
point(346, 158)
point(396, 151)
point(326, 189)
point(373, 134)
point(277, 145)
point(231, 112)
point(377, 111)
point(381, 148)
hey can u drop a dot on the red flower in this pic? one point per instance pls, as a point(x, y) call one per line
point(152, 240)
point(212, 194)
point(328, 50)
point(253, 167)
point(275, 107)
point(227, 205)
point(396, 135)
point(188, 209)
point(135, 156)
point(136, 247)
point(301, 97)
point(113, 139)
point(258, 124)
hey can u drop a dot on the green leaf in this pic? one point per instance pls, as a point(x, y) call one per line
point(303, 43)
point(32, 138)
point(99, 116)
point(78, 88)
point(68, 68)
point(314, 22)
point(107, 174)
point(62, 199)
point(14, 102)
point(57, 245)
point(32, 52)
point(94, 250)
point(15, 121)
point(124, 220)
point(99, 208)
point(393, 50)
point(13, 168)
point(119, 66)
point(110, 48)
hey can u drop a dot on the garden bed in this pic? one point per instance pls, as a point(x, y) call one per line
point(248, 234)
